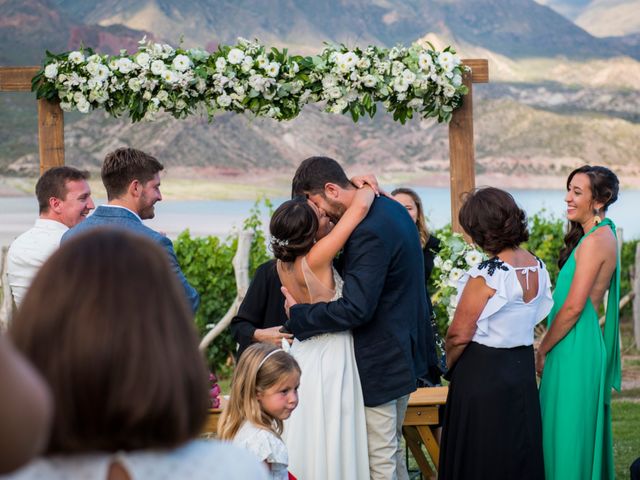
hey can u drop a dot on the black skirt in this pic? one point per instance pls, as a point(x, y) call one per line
point(492, 425)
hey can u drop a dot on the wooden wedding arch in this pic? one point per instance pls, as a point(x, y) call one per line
point(461, 143)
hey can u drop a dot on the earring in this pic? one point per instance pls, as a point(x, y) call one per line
point(596, 217)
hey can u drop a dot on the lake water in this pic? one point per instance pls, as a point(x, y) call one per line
point(222, 217)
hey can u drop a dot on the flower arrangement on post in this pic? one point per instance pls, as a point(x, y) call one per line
point(249, 77)
point(455, 257)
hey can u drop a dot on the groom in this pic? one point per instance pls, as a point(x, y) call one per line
point(383, 303)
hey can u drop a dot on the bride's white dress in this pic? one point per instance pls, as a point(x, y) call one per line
point(326, 436)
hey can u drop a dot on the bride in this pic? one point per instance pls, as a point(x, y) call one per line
point(326, 436)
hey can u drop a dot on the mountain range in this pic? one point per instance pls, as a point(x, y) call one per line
point(564, 81)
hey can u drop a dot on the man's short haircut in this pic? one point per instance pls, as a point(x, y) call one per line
point(53, 183)
point(123, 166)
point(314, 173)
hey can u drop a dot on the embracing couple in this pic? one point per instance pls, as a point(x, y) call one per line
point(361, 335)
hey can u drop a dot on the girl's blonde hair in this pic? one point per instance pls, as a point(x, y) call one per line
point(255, 373)
point(420, 221)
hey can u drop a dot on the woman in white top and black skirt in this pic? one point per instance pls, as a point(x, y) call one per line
point(492, 425)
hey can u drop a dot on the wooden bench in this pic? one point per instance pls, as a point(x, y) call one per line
point(419, 428)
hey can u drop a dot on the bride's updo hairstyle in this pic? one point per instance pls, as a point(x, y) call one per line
point(293, 229)
point(604, 188)
point(493, 220)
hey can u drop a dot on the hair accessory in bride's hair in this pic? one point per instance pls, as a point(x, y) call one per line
point(280, 243)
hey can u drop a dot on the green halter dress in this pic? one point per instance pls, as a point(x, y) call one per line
point(575, 391)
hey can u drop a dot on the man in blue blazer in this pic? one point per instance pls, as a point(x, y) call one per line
point(132, 180)
point(383, 304)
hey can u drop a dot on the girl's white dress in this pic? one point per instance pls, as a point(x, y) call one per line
point(266, 446)
point(326, 434)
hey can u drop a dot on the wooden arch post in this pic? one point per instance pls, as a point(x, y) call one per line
point(461, 142)
point(50, 116)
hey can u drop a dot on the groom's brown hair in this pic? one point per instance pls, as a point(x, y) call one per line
point(314, 173)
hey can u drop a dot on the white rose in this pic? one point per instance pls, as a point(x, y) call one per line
point(92, 68)
point(147, 95)
point(125, 65)
point(181, 104)
point(102, 73)
point(446, 61)
point(163, 95)
point(364, 63)
point(51, 70)
point(235, 56)
point(94, 58)
point(449, 91)
point(224, 100)
point(134, 85)
point(66, 106)
point(83, 106)
point(263, 62)
point(334, 92)
point(454, 276)
point(181, 63)
point(447, 265)
point(158, 67)
point(409, 76)
point(78, 97)
point(425, 61)
point(62, 78)
point(369, 81)
point(400, 84)
point(221, 64)
point(473, 258)
point(143, 59)
point(247, 63)
point(76, 57)
point(273, 69)
point(170, 76)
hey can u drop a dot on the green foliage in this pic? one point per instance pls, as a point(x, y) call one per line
point(206, 263)
point(627, 261)
point(546, 238)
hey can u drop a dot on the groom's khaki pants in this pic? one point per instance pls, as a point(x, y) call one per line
point(384, 432)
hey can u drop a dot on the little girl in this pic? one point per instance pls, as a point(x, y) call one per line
point(264, 392)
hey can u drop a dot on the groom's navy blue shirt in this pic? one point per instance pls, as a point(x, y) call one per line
point(383, 303)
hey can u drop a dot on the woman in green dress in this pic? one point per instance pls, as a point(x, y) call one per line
point(578, 363)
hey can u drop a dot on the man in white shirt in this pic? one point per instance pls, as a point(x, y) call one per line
point(64, 200)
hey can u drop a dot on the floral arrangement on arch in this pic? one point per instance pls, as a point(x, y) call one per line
point(249, 77)
point(455, 257)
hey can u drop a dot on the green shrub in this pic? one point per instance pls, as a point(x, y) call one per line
point(206, 263)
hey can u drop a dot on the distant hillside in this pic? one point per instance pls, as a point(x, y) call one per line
point(29, 27)
point(604, 18)
point(515, 28)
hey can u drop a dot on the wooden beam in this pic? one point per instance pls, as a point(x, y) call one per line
point(461, 154)
point(479, 69)
point(50, 134)
point(17, 79)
